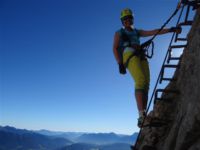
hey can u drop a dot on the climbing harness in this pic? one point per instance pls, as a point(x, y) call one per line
point(127, 44)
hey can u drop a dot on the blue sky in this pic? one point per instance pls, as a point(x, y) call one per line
point(58, 71)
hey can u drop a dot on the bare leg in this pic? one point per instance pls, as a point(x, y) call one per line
point(141, 99)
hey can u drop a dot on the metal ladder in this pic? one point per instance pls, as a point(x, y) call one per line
point(169, 58)
point(168, 61)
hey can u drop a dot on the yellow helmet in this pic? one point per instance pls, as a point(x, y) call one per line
point(126, 12)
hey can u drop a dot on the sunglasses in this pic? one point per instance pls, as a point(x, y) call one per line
point(127, 18)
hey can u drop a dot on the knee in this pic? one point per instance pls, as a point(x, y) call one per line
point(140, 83)
point(146, 86)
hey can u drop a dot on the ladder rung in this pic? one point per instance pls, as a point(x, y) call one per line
point(186, 23)
point(162, 73)
point(171, 66)
point(192, 2)
point(178, 46)
point(166, 100)
point(167, 91)
point(162, 99)
point(164, 91)
point(181, 39)
point(195, 3)
point(174, 58)
point(167, 79)
point(158, 99)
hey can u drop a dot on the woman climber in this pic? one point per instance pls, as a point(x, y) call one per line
point(128, 53)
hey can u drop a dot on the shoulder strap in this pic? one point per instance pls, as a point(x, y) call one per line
point(124, 36)
point(137, 32)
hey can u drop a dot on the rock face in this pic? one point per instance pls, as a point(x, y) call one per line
point(182, 113)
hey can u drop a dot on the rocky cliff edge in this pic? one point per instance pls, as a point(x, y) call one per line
point(179, 116)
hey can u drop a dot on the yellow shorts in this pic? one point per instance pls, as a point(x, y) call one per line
point(139, 70)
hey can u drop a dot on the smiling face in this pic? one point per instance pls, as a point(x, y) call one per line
point(127, 21)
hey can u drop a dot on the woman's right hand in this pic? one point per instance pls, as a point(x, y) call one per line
point(122, 69)
point(175, 29)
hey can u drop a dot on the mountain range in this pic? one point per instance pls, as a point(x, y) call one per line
point(83, 146)
point(17, 139)
point(21, 139)
point(92, 138)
